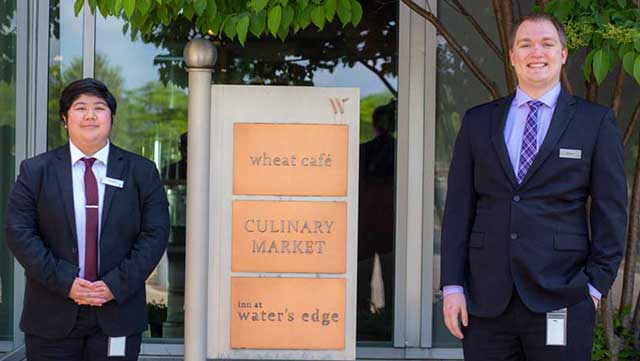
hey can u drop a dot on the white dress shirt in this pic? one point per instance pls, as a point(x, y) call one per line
point(99, 169)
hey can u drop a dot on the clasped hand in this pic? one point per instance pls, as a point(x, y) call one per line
point(84, 292)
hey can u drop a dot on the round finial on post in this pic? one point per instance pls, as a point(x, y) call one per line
point(200, 53)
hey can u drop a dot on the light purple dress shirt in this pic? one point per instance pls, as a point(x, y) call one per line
point(513, 132)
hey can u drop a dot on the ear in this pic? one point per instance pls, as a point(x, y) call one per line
point(565, 54)
point(511, 57)
point(64, 120)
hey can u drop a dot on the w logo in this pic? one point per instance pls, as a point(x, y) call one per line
point(338, 105)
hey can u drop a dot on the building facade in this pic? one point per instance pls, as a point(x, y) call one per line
point(414, 91)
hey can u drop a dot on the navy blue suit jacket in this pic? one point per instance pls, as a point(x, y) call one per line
point(41, 233)
point(538, 236)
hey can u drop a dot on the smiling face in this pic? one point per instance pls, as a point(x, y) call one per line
point(88, 122)
point(537, 56)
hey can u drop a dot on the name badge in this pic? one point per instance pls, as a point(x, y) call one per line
point(557, 328)
point(117, 346)
point(113, 182)
point(571, 153)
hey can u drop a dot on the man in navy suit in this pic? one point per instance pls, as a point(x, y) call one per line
point(89, 222)
point(524, 259)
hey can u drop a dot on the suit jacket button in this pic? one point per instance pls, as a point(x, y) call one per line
point(516, 198)
point(74, 250)
point(514, 236)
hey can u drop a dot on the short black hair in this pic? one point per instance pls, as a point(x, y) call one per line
point(86, 86)
point(535, 17)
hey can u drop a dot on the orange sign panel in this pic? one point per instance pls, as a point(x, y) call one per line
point(288, 313)
point(278, 236)
point(290, 159)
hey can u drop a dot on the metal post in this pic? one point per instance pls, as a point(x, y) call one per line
point(200, 56)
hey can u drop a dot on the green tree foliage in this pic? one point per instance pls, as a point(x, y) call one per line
point(229, 18)
point(610, 29)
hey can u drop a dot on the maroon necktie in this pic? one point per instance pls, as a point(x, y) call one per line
point(91, 222)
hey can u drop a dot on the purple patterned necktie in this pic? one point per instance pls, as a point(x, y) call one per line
point(529, 147)
point(91, 221)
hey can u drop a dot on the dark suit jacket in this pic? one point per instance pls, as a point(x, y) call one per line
point(41, 233)
point(537, 236)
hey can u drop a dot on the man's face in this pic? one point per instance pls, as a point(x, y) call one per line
point(537, 55)
point(89, 121)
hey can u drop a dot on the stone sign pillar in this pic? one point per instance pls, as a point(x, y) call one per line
point(200, 57)
point(283, 223)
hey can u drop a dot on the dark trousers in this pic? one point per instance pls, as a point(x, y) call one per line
point(85, 342)
point(519, 334)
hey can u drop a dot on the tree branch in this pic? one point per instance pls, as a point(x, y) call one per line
point(430, 17)
point(566, 84)
point(457, 5)
point(591, 91)
point(503, 10)
point(617, 90)
point(382, 78)
point(631, 125)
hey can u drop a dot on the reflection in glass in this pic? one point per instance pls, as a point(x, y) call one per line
point(65, 63)
point(456, 90)
point(147, 76)
point(7, 155)
point(151, 121)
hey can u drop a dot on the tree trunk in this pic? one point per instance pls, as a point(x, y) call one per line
point(611, 340)
point(629, 274)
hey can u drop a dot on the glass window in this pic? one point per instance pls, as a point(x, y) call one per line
point(147, 76)
point(65, 62)
point(7, 156)
point(456, 91)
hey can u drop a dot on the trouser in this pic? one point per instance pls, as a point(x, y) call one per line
point(86, 341)
point(519, 334)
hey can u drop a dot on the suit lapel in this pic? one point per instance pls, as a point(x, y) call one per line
point(65, 185)
point(115, 169)
point(498, 121)
point(565, 108)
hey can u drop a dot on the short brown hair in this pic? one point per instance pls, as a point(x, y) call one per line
point(562, 34)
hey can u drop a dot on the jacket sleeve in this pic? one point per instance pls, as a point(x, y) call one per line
point(129, 276)
point(459, 211)
point(24, 239)
point(608, 206)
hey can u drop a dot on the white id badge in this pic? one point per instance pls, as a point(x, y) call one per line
point(117, 346)
point(557, 328)
point(113, 182)
point(571, 153)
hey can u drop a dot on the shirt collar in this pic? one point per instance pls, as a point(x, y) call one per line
point(76, 154)
point(550, 98)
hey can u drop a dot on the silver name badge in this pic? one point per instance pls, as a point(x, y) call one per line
point(557, 328)
point(113, 182)
point(571, 153)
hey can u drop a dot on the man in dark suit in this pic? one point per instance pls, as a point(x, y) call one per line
point(518, 239)
point(89, 222)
